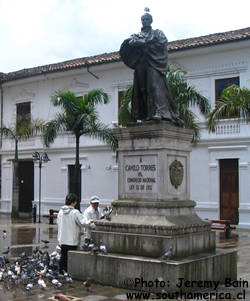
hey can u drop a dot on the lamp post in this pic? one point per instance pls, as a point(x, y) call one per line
point(40, 158)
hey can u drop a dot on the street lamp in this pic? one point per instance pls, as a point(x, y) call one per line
point(40, 158)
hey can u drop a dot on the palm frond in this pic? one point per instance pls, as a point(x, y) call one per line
point(53, 128)
point(84, 119)
point(80, 117)
point(67, 100)
point(8, 132)
point(104, 133)
point(182, 92)
point(125, 107)
point(233, 103)
point(190, 122)
point(96, 96)
point(25, 130)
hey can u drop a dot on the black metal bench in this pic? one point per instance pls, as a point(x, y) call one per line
point(52, 215)
point(223, 224)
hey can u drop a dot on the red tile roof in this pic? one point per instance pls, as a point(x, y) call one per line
point(105, 58)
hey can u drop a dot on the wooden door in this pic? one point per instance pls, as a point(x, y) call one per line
point(229, 190)
point(26, 185)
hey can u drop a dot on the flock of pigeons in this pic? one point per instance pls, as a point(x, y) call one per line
point(37, 269)
point(90, 246)
point(40, 268)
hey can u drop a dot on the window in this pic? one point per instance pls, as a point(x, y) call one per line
point(23, 112)
point(221, 84)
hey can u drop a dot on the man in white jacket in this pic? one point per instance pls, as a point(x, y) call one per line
point(91, 215)
point(69, 222)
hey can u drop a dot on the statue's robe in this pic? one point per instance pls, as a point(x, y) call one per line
point(147, 54)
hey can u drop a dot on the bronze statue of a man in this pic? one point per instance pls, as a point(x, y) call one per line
point(147, 53)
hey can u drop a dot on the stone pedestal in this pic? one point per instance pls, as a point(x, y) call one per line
point(150, 228)
point(154, 212)
point(154, 162)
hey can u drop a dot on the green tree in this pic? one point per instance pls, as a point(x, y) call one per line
point(79, 116)
point(125, 107)
point(184, 96)
point(22, 130)
point(233, 103)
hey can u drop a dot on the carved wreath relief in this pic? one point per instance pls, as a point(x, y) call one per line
point(176, 172)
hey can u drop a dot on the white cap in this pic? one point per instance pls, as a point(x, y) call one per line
point(94, 199)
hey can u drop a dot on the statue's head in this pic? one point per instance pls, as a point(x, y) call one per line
point(146, 19)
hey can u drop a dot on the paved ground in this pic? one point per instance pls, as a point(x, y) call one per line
point(23, 235)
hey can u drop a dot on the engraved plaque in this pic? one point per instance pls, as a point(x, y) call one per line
point(140, 174)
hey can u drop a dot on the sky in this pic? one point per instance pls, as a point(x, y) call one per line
point(40, 32)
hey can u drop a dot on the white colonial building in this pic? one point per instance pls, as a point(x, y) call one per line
point(220, 163)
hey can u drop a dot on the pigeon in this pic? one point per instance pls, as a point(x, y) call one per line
point(49, 276)
point(45, 241)
point(1, 275)
point(106, 213)
point(7, 251)
point(68, 279)
point(56, 251)
point(2, 261)
point(40, 252)
point(168, 254)
point(35, 252)
point(87, 240)
point(24, 277)
point(18, 268)
point(46, 258)
point(91, 245)
point(102, 248)
point(15, 278)
point(56, 283)
point(94, 250)
point(10, 273)
point(29, 286)
point(43, 272)
point(85, 246)
point(4, 234)
point(24, 256)
point(41, 283)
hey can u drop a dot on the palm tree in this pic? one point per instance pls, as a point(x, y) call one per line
point(22, 130)
point(233, 103)
point(79, 116)
point(184, 96)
